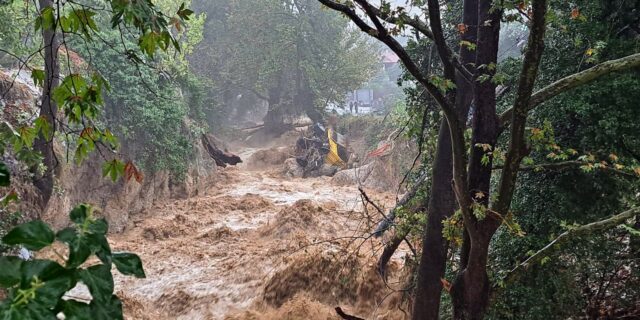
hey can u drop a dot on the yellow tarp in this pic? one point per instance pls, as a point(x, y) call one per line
point(333, 158)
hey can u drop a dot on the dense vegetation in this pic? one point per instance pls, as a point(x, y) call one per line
point(525, 116)
point(532, 173)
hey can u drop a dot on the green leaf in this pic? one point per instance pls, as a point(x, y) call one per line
point(38, 77)
point(33, 235)
point(5, 176)
point(114, 169)
point(54, 289)
point(80, 213)
point(109, 310)
point(128, 264)
point(79, 249)
point(43, 126)
point(43, 269)
point(630, 229)
point(27, 135)
point(32, 310)
point(46, 20)
point(10, 197)
point(75, 310)
point(99, 226)
point(9, 271)
point(99, 281)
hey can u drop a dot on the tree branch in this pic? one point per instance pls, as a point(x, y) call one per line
point(395, 46)
point(404, 18)
point(569, 165)
point(528, 75)
point(586, 229)
point(575, 80)
point(424, 29)
point(438, 38)
point(386, 223)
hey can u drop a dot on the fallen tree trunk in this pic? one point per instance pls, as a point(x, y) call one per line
point(221, 157)
point(294, 125)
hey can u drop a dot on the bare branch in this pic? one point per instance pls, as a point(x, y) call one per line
point(346, 316)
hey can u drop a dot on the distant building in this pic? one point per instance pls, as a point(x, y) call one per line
point(389, 59)
point(381, 86)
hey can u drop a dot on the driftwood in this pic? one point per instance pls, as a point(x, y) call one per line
point(345, 316)
point(220, 156)
point(294, 125)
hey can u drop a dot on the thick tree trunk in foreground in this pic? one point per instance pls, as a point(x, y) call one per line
point(48, 109)
point(442, 204)
point(442, 200)
point(470, 291)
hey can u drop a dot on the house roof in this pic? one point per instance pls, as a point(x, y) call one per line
point(389, 56)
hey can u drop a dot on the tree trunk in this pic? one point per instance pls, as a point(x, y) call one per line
point(470, 291)
point(274, 119)
point(306, 99)
point(442, 202)
point(48, 109)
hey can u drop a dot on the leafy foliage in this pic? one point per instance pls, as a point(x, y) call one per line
point(295, 56)
point(36, 287)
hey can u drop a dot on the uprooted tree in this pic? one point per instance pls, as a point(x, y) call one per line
point(462, 179)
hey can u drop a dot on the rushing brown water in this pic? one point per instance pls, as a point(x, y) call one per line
point(256, 246)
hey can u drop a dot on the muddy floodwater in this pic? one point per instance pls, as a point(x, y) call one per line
point(256, 246)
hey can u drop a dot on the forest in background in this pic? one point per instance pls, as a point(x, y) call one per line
point(541, 219)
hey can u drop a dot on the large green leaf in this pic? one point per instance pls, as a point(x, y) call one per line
point(100, 245)
point(99, 281)
point(99, 226)
point(75, 310)
point(9, 271)
point(5, 176)
point(42, 269)
point(53, 290)
point(79, 248)
point(128, 264)
point(33, 235)
point(31, 311)
point(80, 213)
point(107, 310)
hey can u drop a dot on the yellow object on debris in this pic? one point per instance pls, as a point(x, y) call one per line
point(333, 158)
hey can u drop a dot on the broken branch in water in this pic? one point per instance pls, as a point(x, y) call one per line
point(345, 316)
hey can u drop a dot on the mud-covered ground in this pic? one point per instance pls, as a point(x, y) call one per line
point(257, 246)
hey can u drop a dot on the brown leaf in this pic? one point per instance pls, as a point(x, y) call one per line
point(575, 13)
point(129, 170)
point(522, 6)
point(446, 284)
point(86, 133)
point(462, 28)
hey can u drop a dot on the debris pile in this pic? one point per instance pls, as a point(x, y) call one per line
point(319, 152)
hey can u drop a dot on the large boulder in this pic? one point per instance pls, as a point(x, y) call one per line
point(292, 169)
